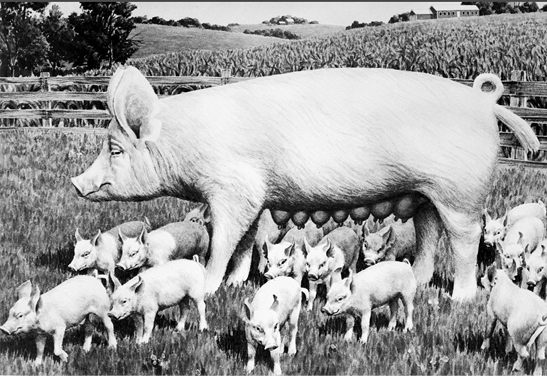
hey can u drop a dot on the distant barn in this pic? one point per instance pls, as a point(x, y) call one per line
point(445, 11)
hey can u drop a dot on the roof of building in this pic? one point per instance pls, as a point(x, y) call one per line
point(443, 7)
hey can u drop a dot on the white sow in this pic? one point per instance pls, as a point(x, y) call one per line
point(173, 241)
point(157, 288)
point(276, 303)
point(62, 307)
point(374, 287)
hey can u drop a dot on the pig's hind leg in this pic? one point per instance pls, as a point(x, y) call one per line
point(293, 330)
point(393, 308)
point(112, 342)
point(58, 336)
point(184, 307)
point(88, 330)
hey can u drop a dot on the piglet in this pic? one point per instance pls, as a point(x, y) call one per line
point(277, 302)
point(173, 241)
point(380, 284)
point(523, 314)
point(62, 307)
point(162, 286)
point(537, 268)
point(102, 251)
point(285, 259)
point(338, 249)
point(393, 242)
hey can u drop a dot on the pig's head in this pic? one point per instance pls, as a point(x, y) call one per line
point(319, 260)
point(124, 298)
point(201, 215)
point(23, 316)
point(339, 293)
point(377, 244)
point(536, 265)
point(85, 252)
point(134, 250)
point(262, 325)
point(512, 256)
point(125, 168)
point(493, 230)
point(281, 259)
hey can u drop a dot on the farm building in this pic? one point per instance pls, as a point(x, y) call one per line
point(444, 11)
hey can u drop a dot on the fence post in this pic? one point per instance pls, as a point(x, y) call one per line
point(225, 75)
point(45, 88)
point(516, 101)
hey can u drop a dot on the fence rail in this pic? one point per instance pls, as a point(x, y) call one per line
point(518, 89)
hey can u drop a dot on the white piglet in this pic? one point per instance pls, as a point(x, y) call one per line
point(276, 303)
point(157, 288)
point(103, 250)
point(393, 242)
point(173, 241)
point(374, 287)
point(62, 307)
point(338, 249)
point(537, 268)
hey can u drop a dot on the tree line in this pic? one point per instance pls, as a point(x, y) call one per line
point(32, 41)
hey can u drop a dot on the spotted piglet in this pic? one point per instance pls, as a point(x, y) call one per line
point(276, 303)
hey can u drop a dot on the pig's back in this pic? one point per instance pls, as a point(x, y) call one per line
point(131, 229)
point(186, 238)
point(183, 276)
point(310, 231)
point(288, 293)
point(531, 209)
point(347, 240)
point(532, 229)
point(77, 296)
point(382, 281)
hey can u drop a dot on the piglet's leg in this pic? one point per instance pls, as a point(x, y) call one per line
point(139, 327)
point(184, 307)
point(293, 330)
point(232, 215)
point(393, 308)
point(313, 293)
point(88, 330)
point(350, 322)
point(365, 325)
point(58, 343)
point(201, 310)
point(276, 357)
point(112, 342)
point(149, 318)
point(489, 334)
point(40, 345)
point(251, 352)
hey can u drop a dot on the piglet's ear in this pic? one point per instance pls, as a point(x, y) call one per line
point(275, 303)
point(35, 300)
point(336, 275)
point(133, 102)
point(206, 212)
point(248, 309)
point(78, 236)
point(24, 290)
point(95, 240)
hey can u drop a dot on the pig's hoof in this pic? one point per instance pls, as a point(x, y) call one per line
point(38, 362)
point(485, 344)
point(348, 337)
point(63, 356)
point(86, 347)
point(292, 351)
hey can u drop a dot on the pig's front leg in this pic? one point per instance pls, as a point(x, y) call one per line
point(293, 330)
point(149, 318)
point(489, 334)
point(251, 352)
point(276, 357)
point(184, 307)
point(393, 308)
point(139, 327)
point(313, 293)
point(350, 322)
point(365, 325)
point(58, 336)
point(231, 218)
point(40, 345)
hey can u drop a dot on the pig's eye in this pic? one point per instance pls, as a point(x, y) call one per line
point(276, 326)
point(259, 329)
point(115, 152)
point(132, 254)
point(340, 298)
point(85, 254)
point(124, 301)
point(322, 264)
point(282, 262)
point(308, 265)
point(540, 269)
point(20, 315)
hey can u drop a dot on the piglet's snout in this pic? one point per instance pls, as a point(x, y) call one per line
point(270, 345)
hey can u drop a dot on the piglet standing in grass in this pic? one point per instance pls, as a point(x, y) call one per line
point(523, 314)
point(390, 243)
point(172, 283)
point(61, 308)
point(173, 241)
point(276, 303)
point(537, 268)
point(103, 250)
point(338, 249)
point(374, 287)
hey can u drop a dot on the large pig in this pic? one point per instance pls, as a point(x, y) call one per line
point(338, 249)
point(378, 141)
point(103, 251)
point(173, 283)
point(61, 308)
point(277, 302)
point(173, 241)
point(381, 284)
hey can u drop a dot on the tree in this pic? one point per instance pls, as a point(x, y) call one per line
point(103, 34)
point(22, 45)
point(59, 36)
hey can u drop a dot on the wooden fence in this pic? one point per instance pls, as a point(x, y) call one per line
point(518, 89)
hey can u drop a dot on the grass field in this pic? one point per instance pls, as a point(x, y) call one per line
point(39, 212)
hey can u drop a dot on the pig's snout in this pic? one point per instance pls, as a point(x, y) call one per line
point(313, 277)
point(5, 330)
point(268, 276)
point(369, 262)
point(270, 345)
point(531, 285)
point(84, 187)
point(112, 315)
point(121, 267)
point(326, 311)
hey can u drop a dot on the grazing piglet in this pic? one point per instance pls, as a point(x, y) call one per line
point(102, 251)
point(521, 239)
point(381, 284)
point(537, 265)
point(393, 242)
point(157, 288)
point(173, 241)
point(494, 230)
point(277, 302)
point(62, 307)
point(340, 248)
point(523, 313)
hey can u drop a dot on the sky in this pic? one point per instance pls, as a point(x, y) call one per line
point(223, 13)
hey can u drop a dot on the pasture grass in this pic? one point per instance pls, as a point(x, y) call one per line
point(39, 212)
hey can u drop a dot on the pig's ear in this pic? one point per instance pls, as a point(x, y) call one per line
point(112, 283)
point(306, 247)
point(122, 237)
point(486, 217)
point(329, 249)
point(248, 309)
point(388, 237)
point(521, 239)
point(366, 230)
point(543, 253)
point(336, 275)
point(137, 285)
point(206, 213)
point(505, 220)
point(96, 238)
point(289, 251)
point(78, 236)
point(24, 290)
point(275, 303)
point(147, 222)
point(143, 235)
point(133, 102)
point(35, 301)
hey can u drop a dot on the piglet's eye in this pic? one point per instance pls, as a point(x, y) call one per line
point(259, 329)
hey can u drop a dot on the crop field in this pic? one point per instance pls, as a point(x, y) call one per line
point(39, 212)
